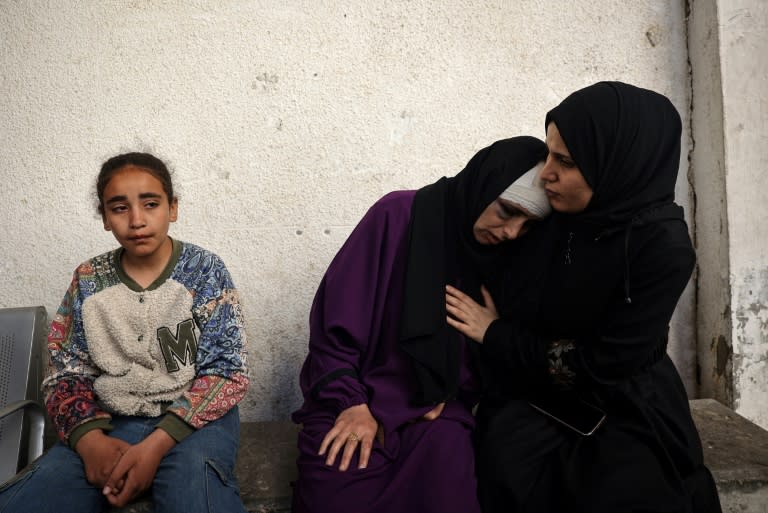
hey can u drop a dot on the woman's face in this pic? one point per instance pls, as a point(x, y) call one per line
point(502, 220)
point(566, 188)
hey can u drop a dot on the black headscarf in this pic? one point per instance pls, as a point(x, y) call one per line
point(442, 249)
point(626, 142)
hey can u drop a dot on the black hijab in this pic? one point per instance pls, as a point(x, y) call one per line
point(442, 249)
point(626, 142)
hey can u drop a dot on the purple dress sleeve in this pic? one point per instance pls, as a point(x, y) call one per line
point(350, 312)
point(354, 351)
point(354, 358)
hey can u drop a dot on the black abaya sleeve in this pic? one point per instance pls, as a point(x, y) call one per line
point(626, 338)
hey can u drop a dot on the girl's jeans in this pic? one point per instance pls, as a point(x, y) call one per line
point(197, 475)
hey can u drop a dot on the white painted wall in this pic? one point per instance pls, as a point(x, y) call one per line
point(743, 28)
point(744, 46)
point(283, 122)
point(707, 174)
point(730, 127)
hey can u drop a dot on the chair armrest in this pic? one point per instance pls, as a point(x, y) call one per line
point(36, 424)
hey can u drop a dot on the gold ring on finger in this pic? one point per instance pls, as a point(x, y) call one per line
point(353, 437)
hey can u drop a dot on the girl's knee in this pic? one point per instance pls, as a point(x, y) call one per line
point(195, 484)
point(58, 473)
point(9, 491)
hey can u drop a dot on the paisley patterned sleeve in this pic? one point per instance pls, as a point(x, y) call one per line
point(68, 386)
point(221, 380)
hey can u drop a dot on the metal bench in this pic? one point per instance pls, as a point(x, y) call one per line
point(22, 418)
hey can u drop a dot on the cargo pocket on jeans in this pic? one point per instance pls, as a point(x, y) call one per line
point(219, 485)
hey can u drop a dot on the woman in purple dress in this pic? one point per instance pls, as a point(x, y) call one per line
point(388, 386)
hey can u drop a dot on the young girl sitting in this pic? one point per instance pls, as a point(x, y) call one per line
point(147, 366)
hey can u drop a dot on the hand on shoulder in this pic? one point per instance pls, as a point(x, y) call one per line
point(466, 315)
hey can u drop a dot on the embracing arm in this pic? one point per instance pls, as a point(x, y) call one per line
point(466, 315)
point(634, 335)
point(504, 340)
point(630, 336)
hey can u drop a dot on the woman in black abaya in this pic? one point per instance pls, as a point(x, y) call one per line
point(584, 325)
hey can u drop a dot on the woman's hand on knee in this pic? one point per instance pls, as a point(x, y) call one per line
point(355, 427)
point(466, 315)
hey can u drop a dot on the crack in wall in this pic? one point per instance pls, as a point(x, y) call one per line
point(692, 189)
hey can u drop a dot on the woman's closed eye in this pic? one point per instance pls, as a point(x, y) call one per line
point(507, 211)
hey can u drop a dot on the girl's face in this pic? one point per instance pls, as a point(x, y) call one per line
point(501, 220)
point(138, 212)
point(566, 188)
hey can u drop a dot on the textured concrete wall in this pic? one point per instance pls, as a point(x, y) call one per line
point(284, 122)
point(707, 171)
point(729, 41)
point(744, 45)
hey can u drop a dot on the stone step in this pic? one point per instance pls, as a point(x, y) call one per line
point(736, 451)
point(266, 466)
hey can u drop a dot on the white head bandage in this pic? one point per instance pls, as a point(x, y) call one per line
point(528, 193)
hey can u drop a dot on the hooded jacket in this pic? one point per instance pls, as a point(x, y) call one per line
point(600, 287)
point(586, 314)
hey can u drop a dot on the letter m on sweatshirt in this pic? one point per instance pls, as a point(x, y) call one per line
point(178, 349)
